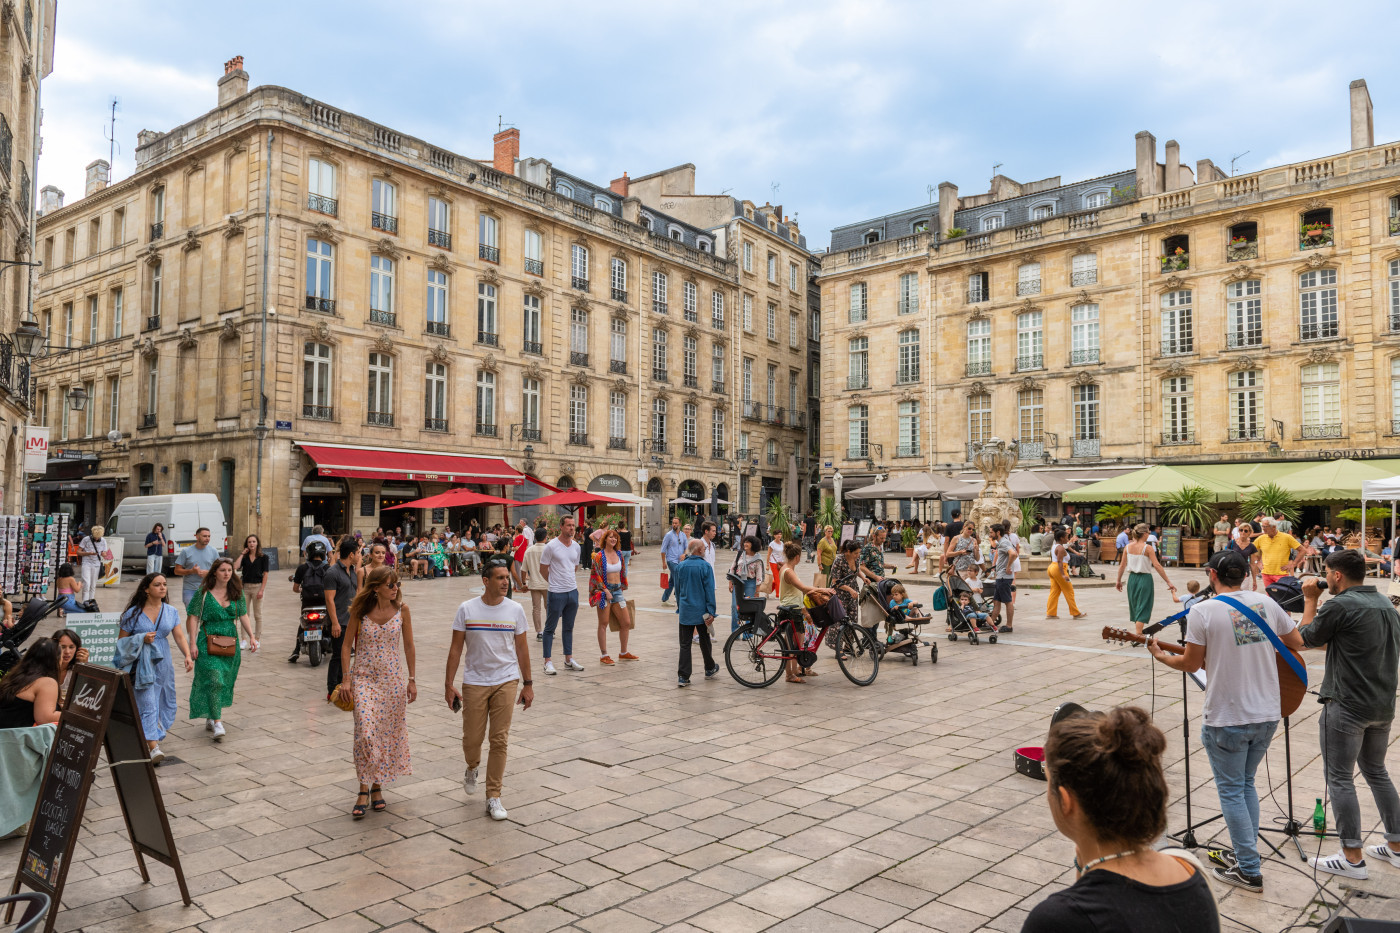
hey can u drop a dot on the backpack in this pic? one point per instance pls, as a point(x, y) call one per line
point(940, 599)
point(313, 584)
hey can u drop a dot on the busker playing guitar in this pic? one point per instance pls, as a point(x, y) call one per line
point(1242, 703)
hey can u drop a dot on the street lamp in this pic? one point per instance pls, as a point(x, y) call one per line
point(29, 339)
point(78, 398)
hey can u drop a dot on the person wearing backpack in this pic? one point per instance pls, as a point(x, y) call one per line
point(309, 580)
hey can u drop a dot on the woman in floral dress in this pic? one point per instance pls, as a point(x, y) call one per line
point(377, 618)
point(217, 609)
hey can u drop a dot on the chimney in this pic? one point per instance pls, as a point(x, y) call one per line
point(1173, 165)
point(1146, 163)
point(50, 199)
point(947, 206)
point(619, 185)
point(507, 150)
point(234, 83)
point(1363, 127)
point(99, 173)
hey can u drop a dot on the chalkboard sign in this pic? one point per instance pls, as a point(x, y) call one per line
point(99, 711)
point(1170, 544)
point(98, 630)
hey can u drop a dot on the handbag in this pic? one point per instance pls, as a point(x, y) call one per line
point(819, 579)
point(222, 646)
point(615, 626)
point(343, 699)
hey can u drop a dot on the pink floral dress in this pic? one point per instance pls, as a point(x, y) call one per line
point(381, 730)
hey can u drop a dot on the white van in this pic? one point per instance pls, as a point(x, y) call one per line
point(182, 515)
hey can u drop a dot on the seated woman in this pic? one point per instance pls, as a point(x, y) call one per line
point(70, 651)
point(29, 692)
point(417, 558)
point(69, 589)
point(1108, 795)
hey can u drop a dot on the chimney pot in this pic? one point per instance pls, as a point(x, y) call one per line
point(507, 150)
point(50, 199)
point(233, 64)
point(99, 174)
point(234, 83)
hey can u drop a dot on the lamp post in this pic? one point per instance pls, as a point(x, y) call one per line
point(29, 343)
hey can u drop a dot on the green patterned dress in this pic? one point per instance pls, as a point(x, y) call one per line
point(212, 689)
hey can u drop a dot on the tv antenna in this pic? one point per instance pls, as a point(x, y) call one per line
point(110, 134)
point(774, 186)
point(930, 189)
point(500, 124)
point(995, 167)
point(1234, 159)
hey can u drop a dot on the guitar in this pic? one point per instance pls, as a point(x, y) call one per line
point(1290, 689)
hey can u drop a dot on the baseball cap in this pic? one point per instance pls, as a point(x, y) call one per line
point(1230, 566)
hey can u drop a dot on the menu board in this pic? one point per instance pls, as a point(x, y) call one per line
point(61, 800)
point(98, 630)
point(1171, 544)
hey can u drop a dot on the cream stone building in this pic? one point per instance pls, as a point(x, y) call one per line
point(26, 56)
point(1160, 314)
point(431, 320)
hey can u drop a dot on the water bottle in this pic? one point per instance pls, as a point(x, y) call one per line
point(1319, 820)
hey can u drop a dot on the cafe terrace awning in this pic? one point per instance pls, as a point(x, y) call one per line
point(916, 486)
point(1150, 484)
point(343, 460)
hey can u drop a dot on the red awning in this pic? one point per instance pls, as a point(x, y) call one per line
point(421, 465)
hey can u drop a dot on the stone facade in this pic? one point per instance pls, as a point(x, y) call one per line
point(381, 304)
point(1162, 315)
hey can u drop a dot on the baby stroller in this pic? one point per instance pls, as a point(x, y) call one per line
point(954, 586)
point(11, 638)
point(902, 631)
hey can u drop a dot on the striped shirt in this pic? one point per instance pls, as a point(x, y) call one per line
point(489, 647)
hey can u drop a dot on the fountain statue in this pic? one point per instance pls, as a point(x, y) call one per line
point(995, 459)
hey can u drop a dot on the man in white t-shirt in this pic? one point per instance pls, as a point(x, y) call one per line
point(491, 631)
point(1242, 705)
point(559, 564)
point(528, 531)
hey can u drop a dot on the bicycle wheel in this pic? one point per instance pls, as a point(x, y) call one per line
point(745, 662)
point(858, 655)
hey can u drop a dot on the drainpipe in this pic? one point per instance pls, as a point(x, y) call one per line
point(262, 352)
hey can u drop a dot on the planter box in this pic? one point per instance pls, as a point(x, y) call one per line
point(1195, 551)
point(1108, 552)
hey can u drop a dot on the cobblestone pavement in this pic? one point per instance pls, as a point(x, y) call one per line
point(636, 806)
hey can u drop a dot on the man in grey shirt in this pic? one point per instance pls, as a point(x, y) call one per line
point(1004, 554)
point(194, 562)
point(341, 582)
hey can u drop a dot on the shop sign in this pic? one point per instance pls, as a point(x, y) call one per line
point(1367, 453)
point(609, 483)
point(36, 450)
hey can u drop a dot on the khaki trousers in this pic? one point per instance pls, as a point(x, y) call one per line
point(255, 609)
point(538, 601)
point(484, 707)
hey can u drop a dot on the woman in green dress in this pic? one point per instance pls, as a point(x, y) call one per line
point(1139, 559)
point(216, 610)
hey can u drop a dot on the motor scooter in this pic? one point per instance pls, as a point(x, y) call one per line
point(311, 631)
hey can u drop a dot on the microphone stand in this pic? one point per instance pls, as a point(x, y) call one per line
point(1186, 837)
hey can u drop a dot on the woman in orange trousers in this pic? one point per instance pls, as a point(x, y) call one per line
point(1059, 578)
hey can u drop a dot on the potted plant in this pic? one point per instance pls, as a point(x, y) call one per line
point(955, 232)
point(1374, 517)
point(1318, 234)
point(1192, 507)
point(907, 537)
point(1111, 517)
point(1030, 514)
point(1177, 260)
point(1269, 499)
point(829, 513)
point(778, 518)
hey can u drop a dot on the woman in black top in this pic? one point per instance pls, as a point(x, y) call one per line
point(1108, 795)
point(29, 692)
point(625, 548)
point(251, 566)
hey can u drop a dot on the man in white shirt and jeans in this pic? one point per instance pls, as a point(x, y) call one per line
point(491, 629)
point(559, 563)
point(1242, 704)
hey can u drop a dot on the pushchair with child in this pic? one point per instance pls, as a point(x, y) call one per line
point(902, 629)
point(960, 622)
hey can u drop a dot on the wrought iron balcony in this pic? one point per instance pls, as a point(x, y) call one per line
point(534, 266)
point(617, 443)
point(489, 253)
point(979, 367)
point(975, 296)
point(579, 283)
point(439, 238)
point(1178, 346)
point(907, 374)
point(619, 294)
point(440, 328)
point(1083, 357)
point(318, 412)
point(742, 454)
point(1237, 252)
point(907, 450)
point(435, 424)
point(1315, 239)
point(1086, 447)
point(690, 381)
point(1084, 277)
point(577, 358)
point(485, 430)
point(689, 315)
point(1234, 339)
point(322, 204)
point(1324, 331)
point(324, 305)
point(717, 323)
point(1178, 437)
point(1030, 450)
point(659, 375)
point(1030, 361)
point(797, 419)
point(387, 318)
point(7, 356)
point(157, 230)
point(488, 338)
point(153, 322)
point(530, 434)
point(907, 307)
point(1395, 324)
point(658, 306)
point(1395, 426)
point(1395, 224)
point(1254, 432)
point(533, 347)
point(384, 419)
point(861, 381)
point(775, 414)
point(689, 450)
point(858, 453)
point(717, 453)
point(617, 366)
point(717, 386)
point(1027, 287)
point(385, 222)
point(1313, 431)
point(148, 420)
point(753, 411)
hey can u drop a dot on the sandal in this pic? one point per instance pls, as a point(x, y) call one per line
point(377, 804)
point(808, 673)
point(358, 811)
point(796, 680)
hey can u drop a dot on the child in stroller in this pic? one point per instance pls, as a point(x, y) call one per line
point(902, 619)
point(967, 612)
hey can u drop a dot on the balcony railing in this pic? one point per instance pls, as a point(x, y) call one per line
point(976, 295)
point(153, 322)
point(1315, 239)
point(1178, 346)
point(617, 366)
point(1178, 437)
point(1395, 426)
point(1030, 450)
point(617, 443)
point(906, 307)
point(907, 450)
point(1027, 287)
point(858, 453)
point(1247, 433)
point(689, 450)
point(1238, 252)
point(318, 412)
point(1084, 277)
point(717, 323)
point(324, 305)
point(579, 283)
point(387, 318)
point(488, 338)
point(530, 434)
point(690, 381)
point(485, 430)
point(1086, 447)
point(658, 306)
point(1234, 339)
point(1324, 331)
point(907, 374)
point(1030, 361)
point(577, 358)
point(619, 294)
point(979, 367)
point(659, 447)
point(742, 455)
point(1175, 263)
point(7, 359)
point(717, 453)
point(660, 375)
point(148, 420)
point(690, 315)
point(1084, 356)
point(1395, 324)
point(1313, 431)
point(489, 253)
point(775, 414)
point(797, 419)
point(1395, 225)
point(157, 230)
point(753, 411)
point(772, 459)
point(384, 419)
point(322, 204)
point(435, 424)
point(440, 328)
point(534, 266)
point(861, 381)
point(533, 347)
point(717, 386)
point(384, 222)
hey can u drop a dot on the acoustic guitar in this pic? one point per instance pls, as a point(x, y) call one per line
point(1290, 689)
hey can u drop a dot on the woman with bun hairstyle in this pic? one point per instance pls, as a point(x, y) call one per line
point(1108, 796)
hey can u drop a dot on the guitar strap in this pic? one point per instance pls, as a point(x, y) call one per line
point(1268, 630)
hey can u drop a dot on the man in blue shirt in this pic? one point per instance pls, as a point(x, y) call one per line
point(672, 553)
point(694, 583)
point(194, 563)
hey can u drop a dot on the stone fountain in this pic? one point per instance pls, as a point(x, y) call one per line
point(995, 459)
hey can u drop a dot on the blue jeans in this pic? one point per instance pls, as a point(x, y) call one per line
point(565, 604)
point(671, 567)
point(750, 588)
point(1235, 753)
point(1349, 741)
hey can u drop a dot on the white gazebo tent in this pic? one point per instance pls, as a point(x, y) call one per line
point(1380, 490)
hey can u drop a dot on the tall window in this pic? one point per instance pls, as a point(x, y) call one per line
point(748, 256)
point(435, 397)
point(436, 310)
point(1086, 412)
point(748, 379)
point(578, 266)
point(320, 178)
point(69, 324)
point(858, 352)
point(486, 403)
point(534, 252)
point(1322, 400)
point(1244, 314)
point(773, 268)
point(858, 309)
point(814, 324)
point(619, 279)
point(1084, 270)
point(688, 308)
point(909, 293)
point(316, 381)
point(1176, 323)
point(772, 451)
point(381, 289)
point(688, 367)
point(617, 350)
point(908, 356)
point(858, 431)
point(772, 389)
point(486, 313)
point(792, 276)
point(152, 387)
point(792, 395)
point(578, 332)
point(658, 354)
point(717, 432)
point(1317, 304)
point(488, 233)
point(658, 422)
point(114, 395)
point(908, 429)
point(439, 223)
point(1030, 340)
point(1084, 334)
point(658, 292)
point(717, 308)
point(320, 281)
point(1245, 420)
point(1028, 279)
point(90, 412)
point(794, 329)
point(688, 414)
point(717, 367)
point(384, 212)
point(617, 415)
point(157, 208)
point(578, 414)
point(1394, 284)
point(1178, 410)
point(772, 321)
point(92, 319)
point(979, 347)
point(531, 327)
point(748, 314)
point(1030, 416)
point(63, 413)
point(530, 408)
point(979, 287)
point(381, 388)
point(116, 312)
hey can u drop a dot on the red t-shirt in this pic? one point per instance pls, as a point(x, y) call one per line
point(520, 543)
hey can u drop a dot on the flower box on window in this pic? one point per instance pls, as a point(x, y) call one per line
point(1316, 235)
point(1176, 261)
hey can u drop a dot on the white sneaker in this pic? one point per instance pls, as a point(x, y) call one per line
point(218, 732)
point(495, 809)
point(1383, 852)
point(572, 665)
point(469, 780)
point(208, 725)
point(157, 756)
point(1338, 865)
point(549, 667)
point(243, 643)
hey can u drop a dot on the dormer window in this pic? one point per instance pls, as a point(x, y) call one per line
point(703, 245)
point(993, 222)
point(564, 188)
point(919, 226)
point(872, 236)
point(602, 203)
point(1096, 199)
point(674, 232)
point(645, 220)
point(1043, 211)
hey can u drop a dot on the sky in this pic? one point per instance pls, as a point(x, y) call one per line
point(851, 109)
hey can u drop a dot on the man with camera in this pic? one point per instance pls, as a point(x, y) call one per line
point(1361, 631)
